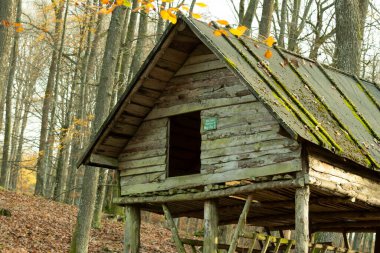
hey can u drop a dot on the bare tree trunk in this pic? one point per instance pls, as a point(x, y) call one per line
point(127, 49)
point(160, 26)
point(350, 20)
point(48, 99)
point(5, 18)
point(266, 18)
point(140, 45)
point(86, 208)
point(250, 13)
point(284, 8)
point(292, 40)
point(5, 165)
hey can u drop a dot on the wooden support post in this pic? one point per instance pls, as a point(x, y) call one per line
point(173, 228)
point(132, 229)
point(346, 242)
point(210, 243)
point(377, 241)
point(240, 225)
point(302, 219)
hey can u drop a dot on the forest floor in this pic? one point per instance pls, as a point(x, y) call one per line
point(40, 225)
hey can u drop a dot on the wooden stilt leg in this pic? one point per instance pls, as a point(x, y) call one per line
point(377, 241)
point(132, 229)
point(210, 243)
point(240, 225)
point(302, 219)
point(173, 228)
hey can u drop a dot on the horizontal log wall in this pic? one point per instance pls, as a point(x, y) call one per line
point(247, 137)
point(144, 158)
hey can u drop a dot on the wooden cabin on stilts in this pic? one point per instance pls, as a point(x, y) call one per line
point(210, 128)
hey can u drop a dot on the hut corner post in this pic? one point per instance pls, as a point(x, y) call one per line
point(210, 243)
point(302, 219)
point(132, 229)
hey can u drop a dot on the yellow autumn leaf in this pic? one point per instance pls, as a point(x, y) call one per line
point(268, 54)
point(164, 15)
point(239, 31)
point(172, 17)
point(220, 32)
point(201, 4)
point(119, 2)
point(222, 22)
point(270, 41)
point(167, 1)
point(104, 1)
point(196, 15)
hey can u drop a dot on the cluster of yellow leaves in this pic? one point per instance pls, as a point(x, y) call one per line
point(238, 31)
point(112, 4)
point(169, 14)
point(269, 42)
point(18, 26)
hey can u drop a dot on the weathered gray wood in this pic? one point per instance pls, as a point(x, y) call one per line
point(241, 224)
point(210, 243)
point(161, 74)
point(157, 113)
point(99, 160)
point(259, 146)
point(173, 228)
point(241, 128)
point(137, 110)
point(174, 55)
point(249, 164)
point(302, 219)
point(200, 67)
point(142, 178)
point(341, 182)
point(143, 170)
point(154, 84)
point(127, 156)
point(158, 160)
point(205, 179)
point(211, 194)
point(132, 229)
point(200, 58)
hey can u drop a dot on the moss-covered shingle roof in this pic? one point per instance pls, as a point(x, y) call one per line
point(327, 107)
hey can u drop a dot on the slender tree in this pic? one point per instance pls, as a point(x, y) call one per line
point(48, 100)
point(6, 168)
point(86, 208)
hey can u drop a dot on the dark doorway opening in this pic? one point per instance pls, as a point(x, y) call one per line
point(185, 144)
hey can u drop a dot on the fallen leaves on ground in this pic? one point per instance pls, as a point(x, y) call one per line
point(40, 225)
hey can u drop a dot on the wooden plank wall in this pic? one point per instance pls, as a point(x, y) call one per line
point(144, 158)
point(247, 136)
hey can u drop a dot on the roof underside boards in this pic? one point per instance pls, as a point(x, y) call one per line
point(319, 104)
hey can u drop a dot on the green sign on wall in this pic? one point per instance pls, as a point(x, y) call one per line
point(210, 124)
